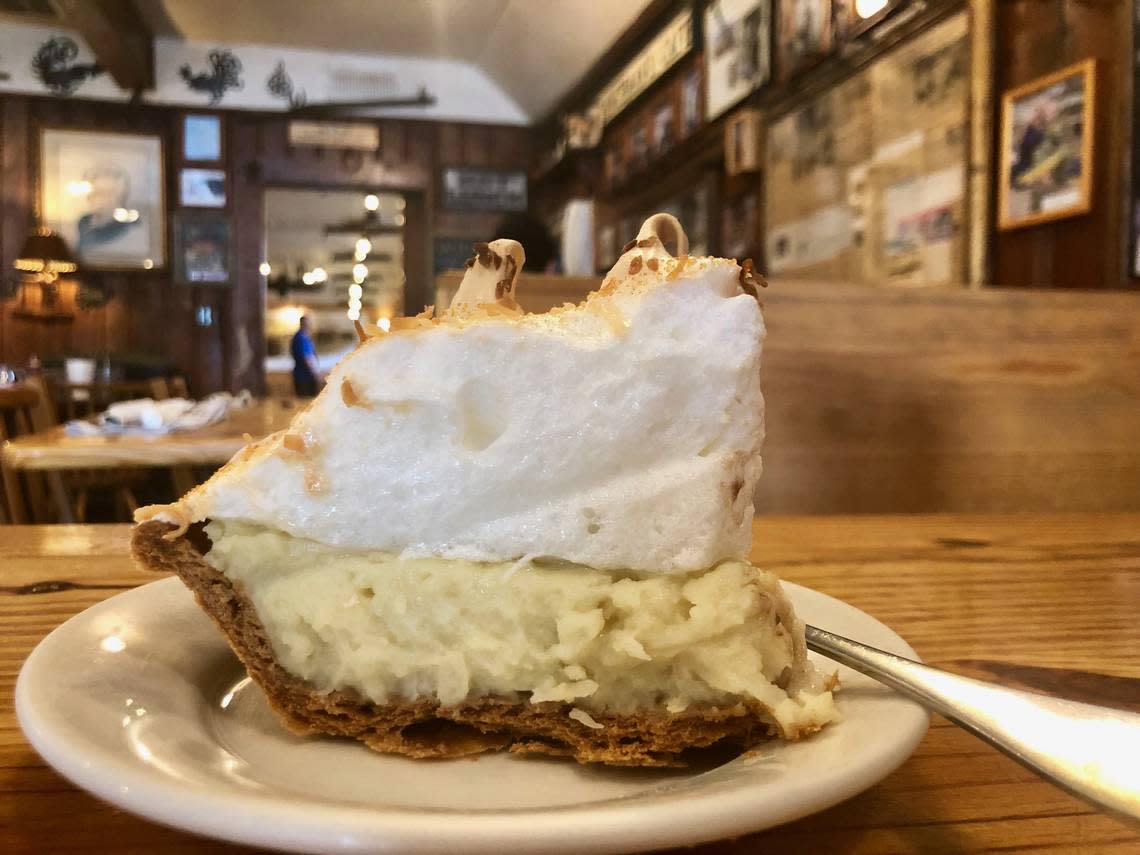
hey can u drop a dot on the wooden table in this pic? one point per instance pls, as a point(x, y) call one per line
point(1045, 601)
point(53, 450)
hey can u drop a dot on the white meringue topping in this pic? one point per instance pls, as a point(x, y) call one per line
point(622, 433)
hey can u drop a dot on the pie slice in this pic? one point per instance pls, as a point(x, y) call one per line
point(499, 530)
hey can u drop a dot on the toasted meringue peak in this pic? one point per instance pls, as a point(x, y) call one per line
point(620, 433)
point(491, 273)
point(650, 244)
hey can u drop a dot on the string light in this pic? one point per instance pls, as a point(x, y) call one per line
point(307, 277)
point(355, 291)
point(320, 274)
point(359, 272)
point(363, 247)
point(371, 202)
point(384, 324)
point(353, 314)
point(264, 269)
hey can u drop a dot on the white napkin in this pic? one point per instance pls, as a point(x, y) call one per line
point(146, 415)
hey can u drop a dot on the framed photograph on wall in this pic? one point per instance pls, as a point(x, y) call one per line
point(664, 129)
point(201, 138)
point(743, 131)
point(691, 102)
point(103, 192)
point(738, 41)
point(202, 249)
point(474, 189)
point(202, 188)
point(804, 34)
point(1047, 148)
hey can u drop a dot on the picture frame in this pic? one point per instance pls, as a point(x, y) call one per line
point(203, 249)
point(104, 193)
point(664, 129)
point(464, 188)
point(743, 131)
point(691, 102)
point(1048, 129)
point(804, 35)
point(738, 46)
point(202, 188)
point(202, 140)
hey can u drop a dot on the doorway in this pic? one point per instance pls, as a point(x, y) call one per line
point(335, 256)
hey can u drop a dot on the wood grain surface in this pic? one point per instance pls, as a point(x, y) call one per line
point(1040, 601)
point(214, 444)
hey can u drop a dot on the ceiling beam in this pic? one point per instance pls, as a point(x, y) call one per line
point(117, 35)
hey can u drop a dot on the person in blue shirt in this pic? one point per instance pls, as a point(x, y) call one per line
point(306, 371)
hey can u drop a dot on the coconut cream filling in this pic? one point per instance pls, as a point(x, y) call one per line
point(599, 641)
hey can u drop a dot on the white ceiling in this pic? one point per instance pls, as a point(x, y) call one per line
point(535, 50)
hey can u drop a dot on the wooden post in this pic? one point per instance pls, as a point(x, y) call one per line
point(981, 172)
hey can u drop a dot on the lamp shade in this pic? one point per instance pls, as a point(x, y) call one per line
point(44, 251)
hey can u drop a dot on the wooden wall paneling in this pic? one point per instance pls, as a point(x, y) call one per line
point(393, 142)
point(1034, 38)
point(981, 175)
point(243, 311)
point(477, 149)
point(14, 218)
point(914, 400)
point(449, 144)
point(275, 163)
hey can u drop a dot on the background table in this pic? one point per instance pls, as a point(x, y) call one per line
point(1049, 602)
point(54, 450)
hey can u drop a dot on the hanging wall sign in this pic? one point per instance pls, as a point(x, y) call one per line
point(354, 135)
point(484, 189)
point(666, 50)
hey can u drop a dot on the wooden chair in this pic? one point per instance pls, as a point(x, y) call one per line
point(17, 405)
point(76, 486)
point(177, 387)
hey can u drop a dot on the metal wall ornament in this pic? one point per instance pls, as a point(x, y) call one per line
point(224, 74)
point(280, 85)
point(55, 67)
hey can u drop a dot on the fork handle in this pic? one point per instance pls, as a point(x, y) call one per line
point(1091, 751)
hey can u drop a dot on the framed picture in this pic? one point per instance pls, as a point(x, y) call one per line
point(639, 149)
point(1047, 148)
point(738, 40)
point(202, 249)
point(201, 138)
point(664, 128)
point(202, 188)
point(691, 102)
point(474, 189)
point(742, 133)
point(804, 34)
point(103, 192)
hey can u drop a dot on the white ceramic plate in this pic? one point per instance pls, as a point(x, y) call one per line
point(140, 701)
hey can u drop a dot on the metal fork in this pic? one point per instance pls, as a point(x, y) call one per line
point(1091, 751)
